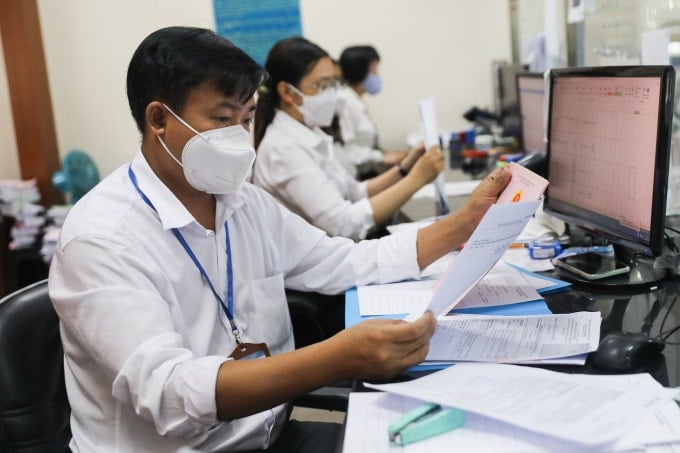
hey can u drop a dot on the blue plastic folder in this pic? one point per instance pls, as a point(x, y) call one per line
point(537, 307)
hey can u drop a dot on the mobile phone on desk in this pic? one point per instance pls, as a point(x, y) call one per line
point(592, 266)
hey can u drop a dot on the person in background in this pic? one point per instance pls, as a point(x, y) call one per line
point(169, 276)
point(333, 130)
point(295, 158)
point(359, 69)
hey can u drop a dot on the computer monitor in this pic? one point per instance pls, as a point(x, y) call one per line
point(504, 76)
point(608, 152)
point(532, 111)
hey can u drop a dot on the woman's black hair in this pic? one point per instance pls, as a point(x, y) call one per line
point(355, 62)
point(289, 60)
point(172, 61)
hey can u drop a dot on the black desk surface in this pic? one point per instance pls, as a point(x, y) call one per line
point(650, 311)
point(647, 310)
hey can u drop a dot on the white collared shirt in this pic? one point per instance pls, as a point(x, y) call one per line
point(359, 134)
point(296, 165)
point(144, 336)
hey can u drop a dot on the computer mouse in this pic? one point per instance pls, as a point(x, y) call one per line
point(625, 351)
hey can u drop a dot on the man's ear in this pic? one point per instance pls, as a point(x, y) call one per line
point(287, 94)
point(156, 116)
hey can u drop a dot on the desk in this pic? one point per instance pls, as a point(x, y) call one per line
point(630, 311)
point(639, 311)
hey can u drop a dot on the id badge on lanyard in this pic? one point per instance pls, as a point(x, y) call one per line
point(249, 351)
point(243, 350)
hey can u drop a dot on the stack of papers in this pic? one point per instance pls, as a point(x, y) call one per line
point(503, 318)
point(564, 338)
point(55, 216)
point(510, 408)
point(19, 200)
point(502, 285)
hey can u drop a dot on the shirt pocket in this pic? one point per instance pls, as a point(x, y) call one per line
point(270, 315)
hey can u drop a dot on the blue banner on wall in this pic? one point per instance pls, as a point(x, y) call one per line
point(256, 25)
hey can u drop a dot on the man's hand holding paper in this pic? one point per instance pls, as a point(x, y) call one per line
point(499, 227)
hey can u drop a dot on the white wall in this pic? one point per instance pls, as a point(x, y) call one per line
point(88, 45)
point(440, 48)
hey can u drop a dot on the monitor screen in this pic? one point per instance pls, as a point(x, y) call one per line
point(505, 94)
point(531, 97)
point(608, 151)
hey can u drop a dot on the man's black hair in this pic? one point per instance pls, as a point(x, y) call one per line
point(172, 61)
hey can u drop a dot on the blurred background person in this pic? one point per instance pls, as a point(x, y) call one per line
point(295, 158)
point(359, 69)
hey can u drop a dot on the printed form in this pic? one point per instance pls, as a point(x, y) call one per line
point(499, 227)
point(503, 285)
point(369, 414)
point(477, 338)
point(573, 408)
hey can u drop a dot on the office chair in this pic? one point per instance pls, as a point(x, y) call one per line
point(34, 410)
point(316, 317)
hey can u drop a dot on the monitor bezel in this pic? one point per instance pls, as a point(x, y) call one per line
point(666, 74)
point(528, 75)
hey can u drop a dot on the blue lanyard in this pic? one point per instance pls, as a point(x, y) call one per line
point(227, 308)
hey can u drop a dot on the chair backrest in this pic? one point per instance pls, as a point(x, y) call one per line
point(34, 410)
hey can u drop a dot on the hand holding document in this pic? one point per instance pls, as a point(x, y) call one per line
point(499, 227)
point(524, 185)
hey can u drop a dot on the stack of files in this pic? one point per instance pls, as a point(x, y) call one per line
point(55, 216)
point(491, 323)
point(523, 409)
point(19, 200)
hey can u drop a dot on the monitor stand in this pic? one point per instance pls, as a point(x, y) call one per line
point(642, 273)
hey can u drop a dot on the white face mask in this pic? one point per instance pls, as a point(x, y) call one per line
point(340, 106)
point(318, 110)
point(216, 161)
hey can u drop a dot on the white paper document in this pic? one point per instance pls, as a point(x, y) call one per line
point(509, 339)
point(499, 227)
point(451, 189)
point(503, 285)
point(567, 407)
point(369, 414)
point(428, 126)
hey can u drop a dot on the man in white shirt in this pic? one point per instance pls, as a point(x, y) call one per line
point(169, 276)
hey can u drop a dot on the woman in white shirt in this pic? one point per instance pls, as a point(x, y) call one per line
point(295, 159)
point(359, 67)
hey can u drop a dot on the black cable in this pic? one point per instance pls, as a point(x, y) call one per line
point(671, 332)
point(663, 336)
point(670, 243)
point(674, 230)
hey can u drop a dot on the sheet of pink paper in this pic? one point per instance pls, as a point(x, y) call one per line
point(525, 185)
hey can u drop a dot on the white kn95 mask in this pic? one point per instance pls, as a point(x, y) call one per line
point(215, 161)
